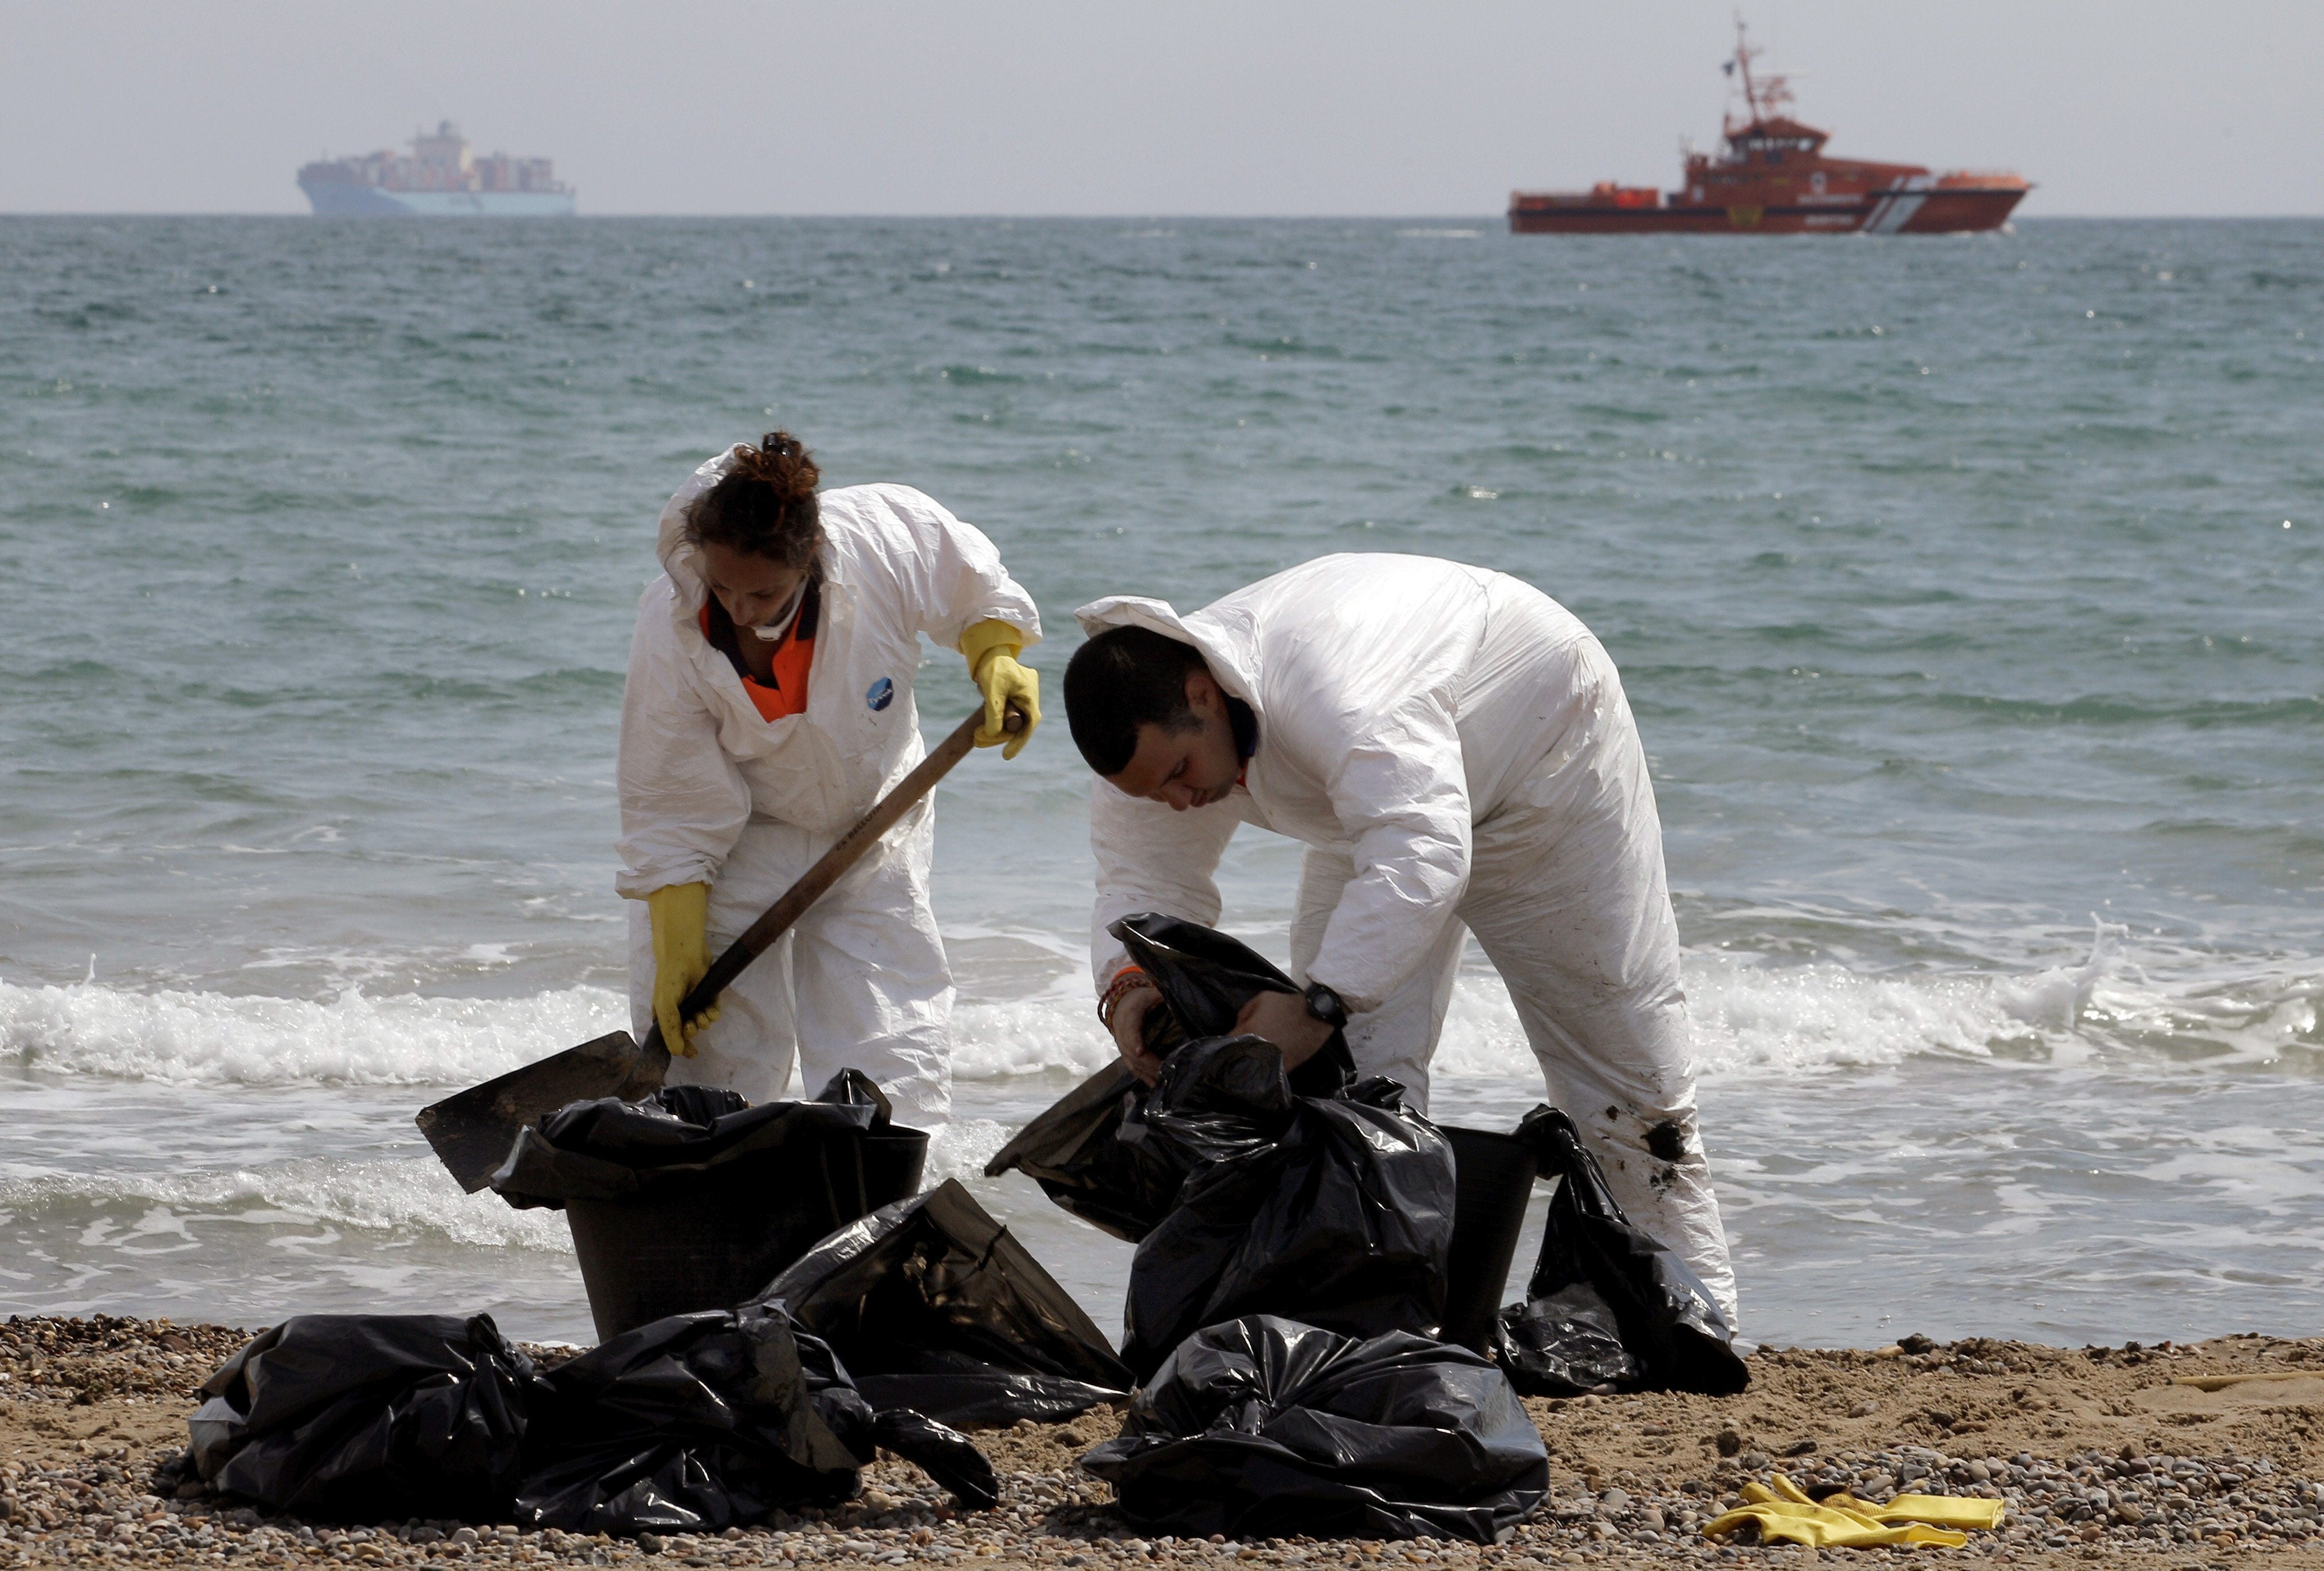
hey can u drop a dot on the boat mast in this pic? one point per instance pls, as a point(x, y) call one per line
point(1744, 55)
point(1761, 97)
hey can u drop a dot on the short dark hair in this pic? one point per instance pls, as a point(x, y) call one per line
point(1125, 678)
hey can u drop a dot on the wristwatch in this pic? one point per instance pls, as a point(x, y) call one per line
point(1326, 1006)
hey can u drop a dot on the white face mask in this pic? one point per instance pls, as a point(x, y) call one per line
point(771, 631)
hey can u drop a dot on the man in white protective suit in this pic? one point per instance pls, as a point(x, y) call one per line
point(769, 707)
point(1456, 751)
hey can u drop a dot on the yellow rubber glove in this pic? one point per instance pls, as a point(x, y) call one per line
point(1958, 1512)
point(1844, 1521)
point(680, 915)
point(991, 647)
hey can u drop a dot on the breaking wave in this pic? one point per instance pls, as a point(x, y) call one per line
point(147, 1213)
point(385, 1194)
point(188, 1037)
point(2108, 1011)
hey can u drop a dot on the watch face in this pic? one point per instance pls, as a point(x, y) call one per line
point(1326, 1006)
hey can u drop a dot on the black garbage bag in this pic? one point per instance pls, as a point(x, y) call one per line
point(1076, 1151)
point(609, 1149)
point(1336, 1211)
point(938, 1450)
point(1564, 1344)
point(362, 1418)
point(1073, 1151)
point(1598, 1271)
point(716, 1420)
point(1263, 1428)
point(934, 1307)
point(1205, 978)
point(854, 1089)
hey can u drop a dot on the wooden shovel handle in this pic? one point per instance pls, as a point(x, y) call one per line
point(828, 869)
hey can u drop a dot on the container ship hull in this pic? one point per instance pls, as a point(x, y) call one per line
point(334, 200)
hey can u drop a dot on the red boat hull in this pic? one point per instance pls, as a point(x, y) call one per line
point(1945, 209)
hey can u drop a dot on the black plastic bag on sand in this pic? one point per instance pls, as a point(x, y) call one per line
point(609, 1149)
point(1077, 1150)
point(1263, 1428)
point(361, 1418)
point(706, 1421)
point(934, 1307)
point(1334, 1211)
point(1600, 1273)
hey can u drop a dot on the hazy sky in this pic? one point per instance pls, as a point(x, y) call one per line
point(1041, 107)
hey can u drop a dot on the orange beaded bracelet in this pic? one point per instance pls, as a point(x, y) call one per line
point(1126, 980)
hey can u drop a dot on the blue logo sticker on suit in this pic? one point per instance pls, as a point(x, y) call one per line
point(881, 693)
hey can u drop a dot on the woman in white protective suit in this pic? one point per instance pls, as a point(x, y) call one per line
point(1455, 750)
point(768, 707)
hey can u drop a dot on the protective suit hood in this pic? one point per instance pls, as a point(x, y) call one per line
point(681, 559)
point(1223, 632)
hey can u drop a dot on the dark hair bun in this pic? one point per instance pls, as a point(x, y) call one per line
point(765, 504)
point(782, 462)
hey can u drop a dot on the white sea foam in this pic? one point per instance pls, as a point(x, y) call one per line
point(213, 1037)
point(1790, 1019)
point(2106, 1011)
point(2113, 1007)
point(382, 1196)
point(1028, 1037)
point(144, 1212)
point(962, 1147)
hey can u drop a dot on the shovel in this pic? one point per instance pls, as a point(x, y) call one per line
point(472, 1132)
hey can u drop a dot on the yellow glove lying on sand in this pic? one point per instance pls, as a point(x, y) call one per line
point(680, 915)
point(1843, 1521)
point(991, 647)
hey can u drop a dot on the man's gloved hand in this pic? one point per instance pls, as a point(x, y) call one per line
point(991, 648)
point(680, 916)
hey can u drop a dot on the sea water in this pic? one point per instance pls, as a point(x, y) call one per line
point(1966, 591)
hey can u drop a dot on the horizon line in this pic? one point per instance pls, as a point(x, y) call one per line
point(1494, 218)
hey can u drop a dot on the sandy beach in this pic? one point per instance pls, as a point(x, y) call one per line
point(2103, 1455)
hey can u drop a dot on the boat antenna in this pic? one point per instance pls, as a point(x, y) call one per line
point(1763, 95)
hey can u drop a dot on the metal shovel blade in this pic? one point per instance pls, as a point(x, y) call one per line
point(472, 1132)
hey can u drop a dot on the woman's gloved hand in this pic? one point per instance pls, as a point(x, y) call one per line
point(680, 916)
point(991, 647)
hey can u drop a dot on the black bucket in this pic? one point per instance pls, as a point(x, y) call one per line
point(713, 1241)
point(1493, 1177)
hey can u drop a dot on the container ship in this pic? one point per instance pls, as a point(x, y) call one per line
point(1772, 177)
point(439, 179)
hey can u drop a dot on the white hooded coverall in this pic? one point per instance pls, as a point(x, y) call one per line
point(712, 792)
point(1456, 751)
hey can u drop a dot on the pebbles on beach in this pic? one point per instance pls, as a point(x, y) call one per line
point(109, 1356)
point(92, 1413)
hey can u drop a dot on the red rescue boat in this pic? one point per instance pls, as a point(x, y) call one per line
point(1773, 178)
